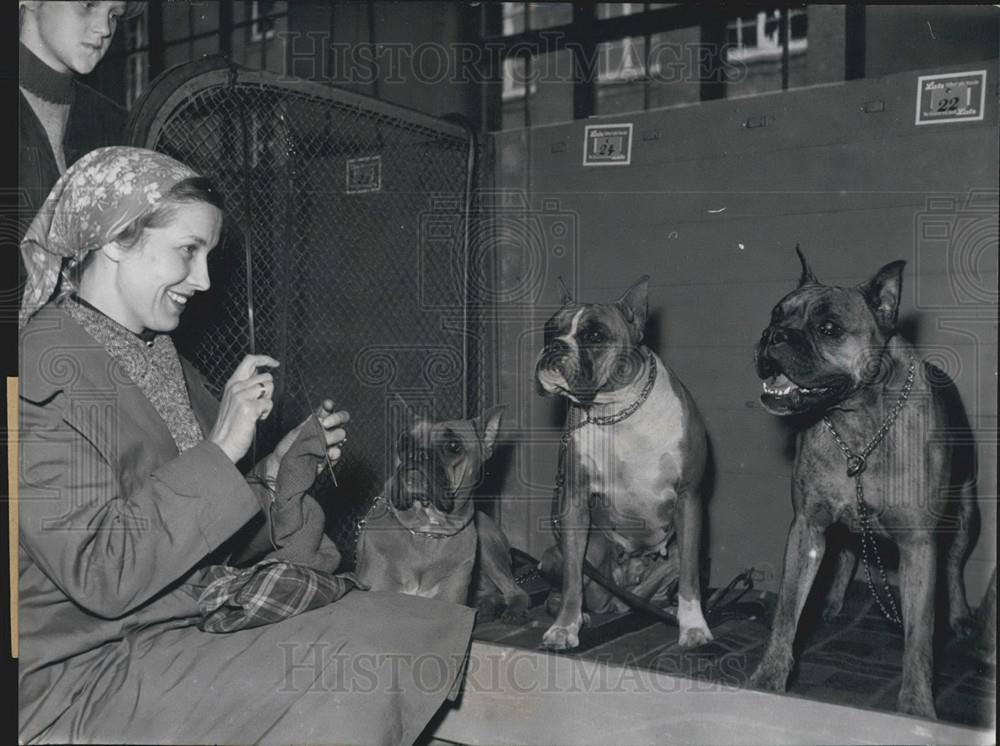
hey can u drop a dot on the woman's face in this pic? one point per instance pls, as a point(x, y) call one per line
point(70, 36)
point(156, 278)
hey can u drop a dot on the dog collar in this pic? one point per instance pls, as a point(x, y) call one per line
point(415, 532)
point(631, 409)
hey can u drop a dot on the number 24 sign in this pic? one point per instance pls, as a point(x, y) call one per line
point(607, 145)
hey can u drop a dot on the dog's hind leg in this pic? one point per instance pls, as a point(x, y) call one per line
point(843, 573)
point(959, 616)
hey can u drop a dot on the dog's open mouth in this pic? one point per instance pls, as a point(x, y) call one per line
point(781, 395)
point(781, 386)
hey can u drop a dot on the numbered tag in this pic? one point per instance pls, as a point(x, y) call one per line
point(951, 97)
point(364, 175)
point(607, 145)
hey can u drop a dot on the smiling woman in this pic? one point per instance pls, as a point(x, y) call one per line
point(139, 535)
point(159, 263)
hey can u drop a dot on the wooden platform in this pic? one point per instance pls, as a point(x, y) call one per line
point(629, 682)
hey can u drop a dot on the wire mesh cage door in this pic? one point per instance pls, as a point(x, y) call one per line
point(343, 255)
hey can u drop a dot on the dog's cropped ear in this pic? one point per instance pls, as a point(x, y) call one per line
point(634, 305)
point(565, 296)
point(488, 426)
point(807, 277)
point(882, 293)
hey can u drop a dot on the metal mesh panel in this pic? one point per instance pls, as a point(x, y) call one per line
point(361, 296)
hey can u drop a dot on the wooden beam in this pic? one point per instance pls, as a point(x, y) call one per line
point(711, 72)
point(584, 60)
point(154, 19)
point(854, 42)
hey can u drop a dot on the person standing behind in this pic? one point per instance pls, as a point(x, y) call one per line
point(59, 118)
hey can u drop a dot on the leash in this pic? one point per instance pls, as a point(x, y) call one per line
point(856, 465)
point(602, 421)
point(713, 606)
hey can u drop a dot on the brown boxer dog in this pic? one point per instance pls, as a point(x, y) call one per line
point(425, 537)
point(832, 355)
point(635, 453)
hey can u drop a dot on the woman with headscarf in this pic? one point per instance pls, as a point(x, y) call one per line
point(139, 537)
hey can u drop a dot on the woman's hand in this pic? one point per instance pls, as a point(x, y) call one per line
point(332, 422)
point(333, 429)
point(245, 400)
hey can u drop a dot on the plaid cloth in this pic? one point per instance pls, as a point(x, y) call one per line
point(266, 592)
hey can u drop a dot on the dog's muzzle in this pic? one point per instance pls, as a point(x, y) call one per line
point(556, 357)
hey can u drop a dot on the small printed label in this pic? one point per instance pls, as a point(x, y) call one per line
point(364, 175)
point(607, 145)
point(952, 97)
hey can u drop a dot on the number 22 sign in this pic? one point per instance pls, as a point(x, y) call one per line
point(951, 97)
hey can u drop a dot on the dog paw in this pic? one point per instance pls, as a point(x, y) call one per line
point(920, 704)
point(831, 610)
point(514, 617)
point(963, 626)
point(486, 610)
point(692, 637)
point(561, 637)
point(769, 677)
point(516, 609)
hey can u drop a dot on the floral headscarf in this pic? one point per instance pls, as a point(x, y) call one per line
point(97, 197)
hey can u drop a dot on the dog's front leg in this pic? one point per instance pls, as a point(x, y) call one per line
point(574, 525)
point(494, 564)
point(917, 563)
point(803, 553)
point(693, 627)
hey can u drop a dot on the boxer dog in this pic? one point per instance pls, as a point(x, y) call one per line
point(634, 454)
point(425, 537)
point(832, 355)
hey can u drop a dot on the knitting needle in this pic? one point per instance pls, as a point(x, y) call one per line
point(326, 452)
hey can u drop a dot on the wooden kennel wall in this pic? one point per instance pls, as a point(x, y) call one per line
point(714, 201)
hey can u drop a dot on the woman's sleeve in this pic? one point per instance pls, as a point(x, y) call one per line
point(110, 535)
point(291, 528)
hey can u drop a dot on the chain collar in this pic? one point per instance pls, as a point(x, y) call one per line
point(631, 409)
point(856, 465)
point(426, 534)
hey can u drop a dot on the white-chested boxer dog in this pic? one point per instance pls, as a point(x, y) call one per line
point(425, 537)
point(634, 457)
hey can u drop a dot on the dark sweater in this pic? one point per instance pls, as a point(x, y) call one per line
point(95, 121)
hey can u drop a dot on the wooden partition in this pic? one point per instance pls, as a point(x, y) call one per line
point(712, 204)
